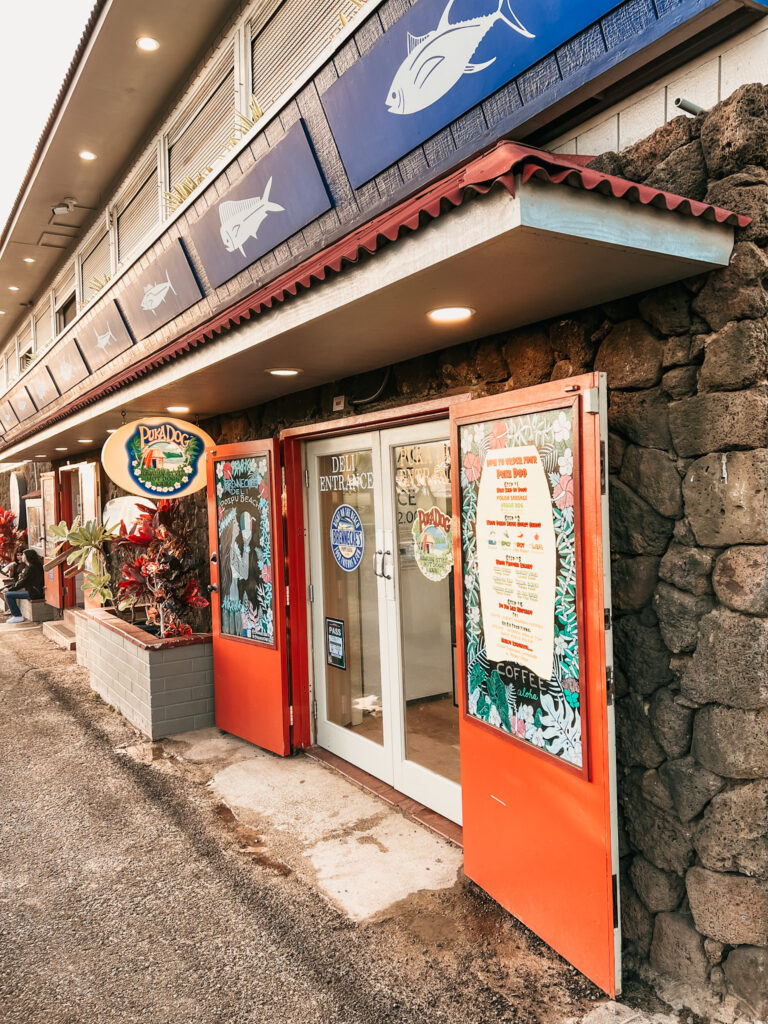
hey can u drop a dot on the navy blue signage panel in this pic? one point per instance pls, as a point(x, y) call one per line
point(282, 192)
point(161, 291)
point(104, 337)
point(444, 57)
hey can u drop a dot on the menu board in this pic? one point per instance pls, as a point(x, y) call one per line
point(519, 479)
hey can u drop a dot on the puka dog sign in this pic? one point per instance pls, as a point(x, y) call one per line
point(157, 457)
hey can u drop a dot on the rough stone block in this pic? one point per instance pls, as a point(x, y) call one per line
point(633, 581)
point(668, 309)
point(730, 908)
point(731, 741)
point(529, 356)
point(672, 723)
point(726, 498)
point(679, 613)
point(636, 921)
point(490, 363)
point(616, 448)
point(659, 890)
point(719, 421)
point(729, 666)
point(684, 172)
point(737, 292)
point(734, 133)
point(736, 357)
point(636, 528)
point(653, 475)
point(640, 159)
point(749, 197)
point(641, 653)
point(678, 949)
point(680, 381)
point(733, 833)
point(740, 579)
point(746, 970)
point(677, 351)
point(655, 791)
point(687, 568)
point(659, 836)
point(575, 340)
point(641, 416)
point(635, 741)
point(631, 356)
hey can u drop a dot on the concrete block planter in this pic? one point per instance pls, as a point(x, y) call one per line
point(161, 686)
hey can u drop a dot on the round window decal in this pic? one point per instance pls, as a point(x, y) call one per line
point(347, 538)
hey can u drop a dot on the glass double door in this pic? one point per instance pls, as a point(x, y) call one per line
point(381, 568)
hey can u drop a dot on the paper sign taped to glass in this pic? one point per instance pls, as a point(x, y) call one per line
point(519, 551)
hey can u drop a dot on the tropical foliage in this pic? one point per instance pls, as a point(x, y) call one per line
point(11, 538)
point(86, 554)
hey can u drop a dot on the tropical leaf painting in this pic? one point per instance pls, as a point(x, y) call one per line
point(545, 713)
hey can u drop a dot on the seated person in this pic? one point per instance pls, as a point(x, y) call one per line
point(29, 585)
point(12, 570)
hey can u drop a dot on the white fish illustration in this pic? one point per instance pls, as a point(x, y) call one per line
point(436, 61)
point(66, 371)
point(241, 219)
point(104, 340)
point(154, 294)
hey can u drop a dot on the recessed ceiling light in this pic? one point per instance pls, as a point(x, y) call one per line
point(450, 314)
point(112, 430)
point(86, 154)
point(284, 371)
point(147, 43)
point(85, 440)
point(12, 288)
point(2, 312)
point(178, 408)
point(61, 449)
point(29, 259)
point(41, 456)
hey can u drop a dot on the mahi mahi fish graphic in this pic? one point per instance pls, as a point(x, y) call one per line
point(154, 294)
point(241, 220)
point(104, 340)
point(437, 60)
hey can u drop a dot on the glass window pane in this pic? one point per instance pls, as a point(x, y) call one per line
point(244, 513)
point(422, 477)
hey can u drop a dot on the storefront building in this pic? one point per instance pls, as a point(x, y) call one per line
point(485, 413)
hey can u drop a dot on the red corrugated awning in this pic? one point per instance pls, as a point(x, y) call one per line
point(499, 167)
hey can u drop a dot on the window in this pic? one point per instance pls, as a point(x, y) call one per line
point(291, 40)
point(195, 144)
point(66, 313)
point(43, 323)
point(96, 268)
point(137, 218)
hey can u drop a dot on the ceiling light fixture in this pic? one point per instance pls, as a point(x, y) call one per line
point(178, 408)
point(147, 43)
point(284, 371)
point(41, 456)
point(85, 440)
point(29, 259)
point(112, 430)
point(12, 288)
point(86, 154)
point(61, 449)
point(2, 312)
point(450, 314)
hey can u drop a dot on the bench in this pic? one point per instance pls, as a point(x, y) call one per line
point(35, 611)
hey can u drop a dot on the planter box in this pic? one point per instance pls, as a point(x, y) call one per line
point(161, 686)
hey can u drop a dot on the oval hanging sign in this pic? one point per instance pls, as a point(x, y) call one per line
point(157, 457)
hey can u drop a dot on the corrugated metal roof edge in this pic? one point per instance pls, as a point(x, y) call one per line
point(496, 167)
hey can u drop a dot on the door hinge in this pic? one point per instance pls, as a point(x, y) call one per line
point(311, 594)
point(314, 709)
point(607, 619)
point(290, 714)
point(610, 685)
point(306, 478)
point(615, 888)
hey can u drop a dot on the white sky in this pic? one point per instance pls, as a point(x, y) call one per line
point(37, 41)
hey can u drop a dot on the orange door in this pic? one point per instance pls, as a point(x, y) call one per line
point(536, 731)
point(248, 593)
point(54, 582)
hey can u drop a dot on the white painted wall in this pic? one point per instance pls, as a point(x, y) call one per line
point(712, 77)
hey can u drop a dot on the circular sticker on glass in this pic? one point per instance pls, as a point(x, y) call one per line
point(347, 538)
point(433, 543)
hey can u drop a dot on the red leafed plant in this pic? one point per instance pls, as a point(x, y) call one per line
point(11, 539)
point(159, 574)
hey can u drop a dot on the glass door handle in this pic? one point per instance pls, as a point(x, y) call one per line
point(380, 571)
point(385, 575)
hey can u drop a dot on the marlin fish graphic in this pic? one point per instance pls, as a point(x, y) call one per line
point(103, 340)
point(241, 220)
point(437, 60)
point(154, 294)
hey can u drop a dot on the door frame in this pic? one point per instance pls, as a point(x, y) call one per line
point(295, 510)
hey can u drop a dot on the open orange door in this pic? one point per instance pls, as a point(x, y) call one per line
point(533, 603)
point(54, 579)
point(248, 593)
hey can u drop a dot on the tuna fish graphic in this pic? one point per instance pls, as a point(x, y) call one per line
point(436, 61)
point(66, 371)
point(241, 219)
point(104, 340)
point(154, 294)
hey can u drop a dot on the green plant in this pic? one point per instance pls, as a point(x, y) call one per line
point(97, 283)
point(86, 554)
point(184, 189)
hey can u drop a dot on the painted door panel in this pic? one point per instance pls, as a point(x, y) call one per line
point(248, 600)
point(540, 833)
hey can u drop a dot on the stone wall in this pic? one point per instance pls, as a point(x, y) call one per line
point(687, 367)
